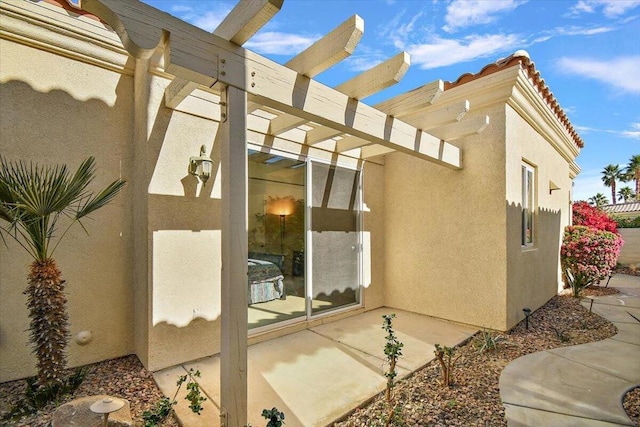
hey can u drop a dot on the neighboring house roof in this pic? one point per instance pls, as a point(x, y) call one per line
point(522, 58)
point(622, 208)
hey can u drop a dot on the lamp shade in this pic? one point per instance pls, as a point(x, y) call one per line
point(281, 205)
point(106, 405)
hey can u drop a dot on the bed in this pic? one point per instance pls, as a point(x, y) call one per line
point(266, 282)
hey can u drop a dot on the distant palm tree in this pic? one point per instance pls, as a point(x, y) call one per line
point(34, 202)
point(632, 173)
point(625, 194)
point(599, 200)
point(610, 175)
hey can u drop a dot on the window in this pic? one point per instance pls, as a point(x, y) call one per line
point(528, 183)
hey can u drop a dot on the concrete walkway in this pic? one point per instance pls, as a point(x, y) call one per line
point(582, 385)
point(317, 375)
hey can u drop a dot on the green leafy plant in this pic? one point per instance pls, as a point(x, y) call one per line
point(487, 340)
point(164, 406)
point(34, 202)
point(447, 363)
point(38, 396)
point(274, 417)
point(392, 352)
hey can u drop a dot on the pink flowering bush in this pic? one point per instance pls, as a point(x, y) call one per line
point(588, 255)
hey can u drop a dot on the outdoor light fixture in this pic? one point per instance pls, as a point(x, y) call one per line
point(527, 312)
point(201, 166)
point(106, 406)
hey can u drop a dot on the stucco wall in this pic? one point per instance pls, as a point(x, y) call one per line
point(533, 274)
point(630, 252)
point(57, 110)
point(445, 250)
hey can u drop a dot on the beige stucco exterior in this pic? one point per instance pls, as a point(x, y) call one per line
point(436, 241)
point(453, 241)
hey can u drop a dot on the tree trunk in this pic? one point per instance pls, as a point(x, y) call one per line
point(49, 325)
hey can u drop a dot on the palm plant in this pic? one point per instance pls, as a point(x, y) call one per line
point(632, 173)
point(610, 175)
point(34, 202)
point(599, 200)
point(625, 194)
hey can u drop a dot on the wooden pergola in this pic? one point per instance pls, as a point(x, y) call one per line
point(247, 83)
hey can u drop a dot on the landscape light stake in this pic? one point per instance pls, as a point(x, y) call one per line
point(527, 313)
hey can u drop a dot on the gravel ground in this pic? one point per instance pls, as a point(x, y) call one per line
point(124, 377)
point(473, 400)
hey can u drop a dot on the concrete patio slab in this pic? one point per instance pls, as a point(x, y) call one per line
point(418, 333)
point(527, 417)
point(317, 375)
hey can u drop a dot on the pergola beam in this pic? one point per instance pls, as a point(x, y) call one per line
point(365, 84)
point(452, 113)
point(375, 79)
point(246, 19)
point(330, 49)
point(350, 143)
point(464, 128)
point(207, 59)
point(412, 101)
point(177, 91)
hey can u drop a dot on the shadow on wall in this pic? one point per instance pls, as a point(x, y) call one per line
point(533, 272)
point(55, 127)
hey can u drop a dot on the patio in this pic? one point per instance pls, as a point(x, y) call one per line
point(317, 375)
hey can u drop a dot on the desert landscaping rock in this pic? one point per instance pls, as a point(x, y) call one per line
point(77, 413)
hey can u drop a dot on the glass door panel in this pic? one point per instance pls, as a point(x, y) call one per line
point(334, 237)
point(276, 230)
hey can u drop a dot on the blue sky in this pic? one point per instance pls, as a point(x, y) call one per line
point(588, 52)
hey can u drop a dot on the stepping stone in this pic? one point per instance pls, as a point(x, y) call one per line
point(77, 414)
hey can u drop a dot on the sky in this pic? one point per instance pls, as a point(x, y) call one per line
point(587, 51)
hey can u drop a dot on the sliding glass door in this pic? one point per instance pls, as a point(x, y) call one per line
point(335, 237)
point(304, 238)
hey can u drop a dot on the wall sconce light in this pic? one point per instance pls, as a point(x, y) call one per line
point(553, 187)
point(201, 166)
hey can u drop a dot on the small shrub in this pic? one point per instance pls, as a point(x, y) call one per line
point(38, 396)
point(164, 406)
point(627, 222)
point(562, 337)
point(588, 255)
point(392, 352)
point(447, 363)
point(274, 417)
point(487, 340)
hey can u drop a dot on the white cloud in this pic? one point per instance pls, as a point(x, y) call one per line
point(633, 133)
point(278, 43)
point(621, 73)
point(464, 13)
point(610, 8)
point(208, 21)
point(441, 52)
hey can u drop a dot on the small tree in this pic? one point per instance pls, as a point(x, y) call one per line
point(34, 202)
point(587, 256)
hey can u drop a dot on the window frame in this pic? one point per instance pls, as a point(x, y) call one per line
point(528, 181)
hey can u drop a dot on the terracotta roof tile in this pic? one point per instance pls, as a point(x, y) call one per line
point(522, 59)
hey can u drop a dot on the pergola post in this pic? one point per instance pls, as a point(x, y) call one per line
point(233, 353)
